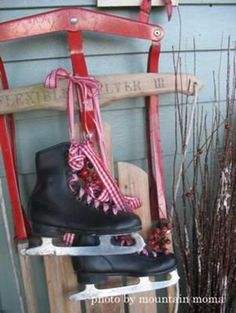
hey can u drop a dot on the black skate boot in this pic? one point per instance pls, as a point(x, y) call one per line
point(94, 270)
point(56, 210)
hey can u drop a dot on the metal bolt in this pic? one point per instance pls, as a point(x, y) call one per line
point(74, 20)
point(157, 33)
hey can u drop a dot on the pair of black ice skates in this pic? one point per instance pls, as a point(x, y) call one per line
point(96, 250)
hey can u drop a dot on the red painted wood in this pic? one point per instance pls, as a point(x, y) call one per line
point(146, 6)
point(154, 151)
point(75, 42)
point(145, 10)
point(88, 117)
point(87, 20)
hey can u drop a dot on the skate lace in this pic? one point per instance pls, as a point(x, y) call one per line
point(104, 192)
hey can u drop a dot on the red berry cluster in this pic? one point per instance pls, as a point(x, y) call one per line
point(158, 239)
point(88, 174)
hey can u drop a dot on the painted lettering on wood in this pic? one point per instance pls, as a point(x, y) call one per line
point(115, 87)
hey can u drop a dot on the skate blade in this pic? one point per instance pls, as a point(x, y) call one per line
point(145, 284)
point(104, 248)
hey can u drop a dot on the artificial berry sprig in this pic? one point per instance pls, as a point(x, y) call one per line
point(89, 175)
point(158, 239)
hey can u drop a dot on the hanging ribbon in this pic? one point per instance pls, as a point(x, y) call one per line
point(87, 89)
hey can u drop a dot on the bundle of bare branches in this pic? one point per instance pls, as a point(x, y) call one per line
point(204, 198)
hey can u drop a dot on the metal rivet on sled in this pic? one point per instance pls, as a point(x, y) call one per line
point(74, 20)
point(157, 32)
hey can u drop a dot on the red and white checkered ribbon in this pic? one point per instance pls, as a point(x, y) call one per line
point(68, 238)
point(111, 192)
point(86, 88)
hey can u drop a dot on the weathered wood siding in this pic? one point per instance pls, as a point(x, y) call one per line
point(29, 61)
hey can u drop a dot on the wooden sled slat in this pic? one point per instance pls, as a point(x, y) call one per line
point(114, 87)
point(134, 181)
point(61, 281)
